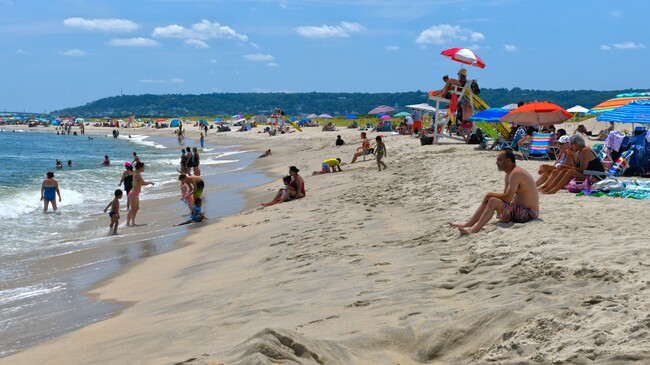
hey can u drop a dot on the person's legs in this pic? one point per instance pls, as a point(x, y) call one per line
point(550, 180)
point(135, 205)
point(563, 179)
point(475, 217)
point(493, 205)
point(356, 155)
point(54, 204)
point(275, 199)
point(46, 204)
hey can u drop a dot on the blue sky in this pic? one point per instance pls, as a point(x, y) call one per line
point(64, 53)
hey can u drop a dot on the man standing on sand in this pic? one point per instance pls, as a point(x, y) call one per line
point(518, 203)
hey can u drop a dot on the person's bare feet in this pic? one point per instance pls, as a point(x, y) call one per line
point(457, 225)
point(464, 231)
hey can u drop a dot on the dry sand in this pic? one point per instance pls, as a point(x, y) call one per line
point(364, 270)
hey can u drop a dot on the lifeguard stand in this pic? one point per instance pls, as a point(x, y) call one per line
point(439, 124)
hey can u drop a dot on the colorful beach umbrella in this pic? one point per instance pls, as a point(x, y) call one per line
point(382, 109)
point(492, 115)
point(465, 56)
point(325, 116)
point(618, 101)
point(402, 114)
point(385, 116)
point(637, 111)
point(537, 113)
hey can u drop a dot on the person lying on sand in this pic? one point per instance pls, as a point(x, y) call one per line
point(518, 203)
point(196, 215)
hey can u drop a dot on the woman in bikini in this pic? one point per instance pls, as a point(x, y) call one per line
point(586, 159)
point(364, 149)
point(134, 195)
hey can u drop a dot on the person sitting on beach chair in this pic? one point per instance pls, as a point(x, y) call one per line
point(364, 149)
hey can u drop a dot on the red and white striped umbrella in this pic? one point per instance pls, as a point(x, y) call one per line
point(464, 56)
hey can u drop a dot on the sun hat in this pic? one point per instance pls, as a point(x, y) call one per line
point(462, 72)
point(563, 139)
point(127, 163)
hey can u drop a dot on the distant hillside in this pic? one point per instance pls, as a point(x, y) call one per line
point(305, 103)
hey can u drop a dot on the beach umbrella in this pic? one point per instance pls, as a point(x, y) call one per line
point(382, 109)
point(637, 111)
point(510, 106)
point(312, 115)
point(492, 115)
point(217, 119)
point(577, 109)
point(237, 116)
point(618, 101)
point(402, 114)
point(351, 116)
point(325, 116)
point(422, 106)
point(174, 123)
point(465, 56)
point(385, 116)
point(537, 113)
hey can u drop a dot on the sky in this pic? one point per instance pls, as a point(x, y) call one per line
point(66, 53)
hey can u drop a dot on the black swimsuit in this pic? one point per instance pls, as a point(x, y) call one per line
point(128, 183)
point(595, 164)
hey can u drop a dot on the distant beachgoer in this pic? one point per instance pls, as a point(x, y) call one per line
point(417, 120)
point(196, 215)
point(283, 193)
point(339, 141)
point(196, 161)
point(127, 179)
point(106, 160)
point(380, 152)
point(266, 153)
point(114, 213)
point(49, 191)
point(364, 149)
point(134, 195)
point(202, 140)
point(136, 159)
point(518, 203)
point(329, 165)
point(194, 183)
point(297, 186)
point(188, 161)
point(205, 129)
point(59, 164)
point(69, 163)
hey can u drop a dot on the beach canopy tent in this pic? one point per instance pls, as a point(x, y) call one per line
point(382, 109)
point(423, 107)
point(312, 115)
point(217, 119)
point(492, 115)
point(510, 106)
point(174, 123)
point(637, 111)
point(56, 122)
point(537, 113)
point(325, 116)
point(577, 109)
point(351, 116)
point(402, 114)
point(618, 101)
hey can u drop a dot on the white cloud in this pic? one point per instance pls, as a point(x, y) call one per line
point(197, 43)
point(329, 31)
point(106, 25)
point(510, 47)
point(392, 48)
point(202, 31)
point(622, 45)
point(21, 52)
point(259, 57)
point(73, 53)
point(474, 47)
point(445, 33)
point(628, 45)
point(133, 42)
point(272, 64)
point(170, 81)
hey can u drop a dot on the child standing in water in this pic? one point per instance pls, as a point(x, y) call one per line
point(114, 213)
point(380, 150)
point(202, 140)
point(49, 191)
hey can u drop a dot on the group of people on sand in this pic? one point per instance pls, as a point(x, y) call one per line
point(293, 188)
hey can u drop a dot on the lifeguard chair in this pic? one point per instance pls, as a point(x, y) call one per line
point(438, 123)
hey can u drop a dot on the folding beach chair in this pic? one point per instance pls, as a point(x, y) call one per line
point(538, 148)
point(512, 145)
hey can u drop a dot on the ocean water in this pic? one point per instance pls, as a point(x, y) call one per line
point(48, 259)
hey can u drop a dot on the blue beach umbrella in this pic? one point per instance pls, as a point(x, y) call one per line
point(491, 115)
point(217, 119)
point(351, 116)
point(637, 111)
point(174, 123)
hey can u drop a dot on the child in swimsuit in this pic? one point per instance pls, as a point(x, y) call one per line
point(197, 215)
point(381, 152)
point(114, 213)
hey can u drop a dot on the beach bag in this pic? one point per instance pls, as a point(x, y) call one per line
point(424, 140)
point(475, 89)
point(575, 187)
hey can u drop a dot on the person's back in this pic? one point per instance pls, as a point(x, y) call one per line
point(339, 141)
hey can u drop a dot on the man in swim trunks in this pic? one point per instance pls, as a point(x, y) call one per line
point(194, 183)
point(49, 191)
point(518, 203)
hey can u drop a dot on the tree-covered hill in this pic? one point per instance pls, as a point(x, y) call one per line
point(305, 103)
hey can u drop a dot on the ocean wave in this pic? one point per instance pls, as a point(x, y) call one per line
point(143, 140)
point(15, 294)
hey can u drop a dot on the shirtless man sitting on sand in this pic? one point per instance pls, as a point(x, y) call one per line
point(518, 203)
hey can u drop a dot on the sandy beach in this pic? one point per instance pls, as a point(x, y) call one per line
point(365, 270)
